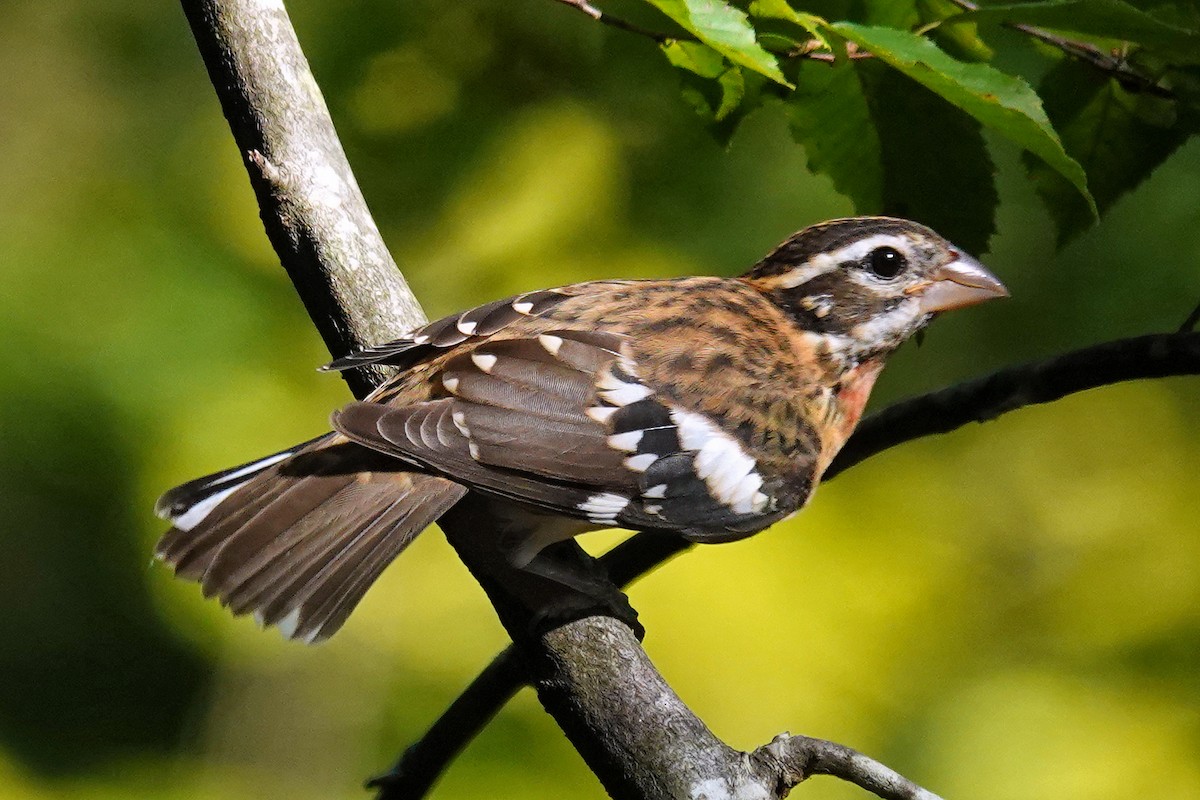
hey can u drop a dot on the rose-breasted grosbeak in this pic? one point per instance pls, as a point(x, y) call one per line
point(709, 407)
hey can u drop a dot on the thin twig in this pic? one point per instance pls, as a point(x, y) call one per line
point(813, 49)
point(1190, 323)
point(422, 764)
point(978, 400)
point(1115, 65)
point(800, 757)
point(625, 25)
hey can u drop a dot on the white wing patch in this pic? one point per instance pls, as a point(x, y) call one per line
point(484, 361)
point(640, 463)
point(603, 507)
point(731, 476)
point(619, 393)
point(625, 442)
point(552, 344)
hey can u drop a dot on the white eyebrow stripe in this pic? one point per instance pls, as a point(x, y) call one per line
point(815, 267)
point(822, 263)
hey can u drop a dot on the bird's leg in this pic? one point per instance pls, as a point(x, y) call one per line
point(562, 583)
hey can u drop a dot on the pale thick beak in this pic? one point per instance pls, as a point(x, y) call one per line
point(960, 283)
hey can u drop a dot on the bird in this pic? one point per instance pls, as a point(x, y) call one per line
point(705, 407)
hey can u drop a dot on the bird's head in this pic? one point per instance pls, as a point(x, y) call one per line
point(866, 284)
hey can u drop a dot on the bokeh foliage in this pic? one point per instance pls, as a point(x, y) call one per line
point(1010, 611)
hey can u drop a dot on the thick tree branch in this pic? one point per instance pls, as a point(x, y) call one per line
point(311, 206)
point(978, 400)
point(591, 673)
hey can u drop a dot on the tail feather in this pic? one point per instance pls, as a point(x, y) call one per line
point(298, 537)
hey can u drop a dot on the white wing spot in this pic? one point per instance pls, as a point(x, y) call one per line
point(604, 507)
point(451, 384)
point(473, 449)
point(640, 463)
point(601, 413)
point(460, 422)
point(729, 474)
point(551, 343)
point(628, 442)
point(484, 361)
point(420, 339)
point(523, 307)
point(466, 327)
point(655, 492)
point(620, 393)
point(655, 510)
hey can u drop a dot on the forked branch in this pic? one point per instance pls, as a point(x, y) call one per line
point(592, 673)
point(942, 411)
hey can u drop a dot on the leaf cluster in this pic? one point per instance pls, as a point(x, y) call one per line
point(892, 100)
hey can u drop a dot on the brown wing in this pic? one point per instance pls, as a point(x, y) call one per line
point(561, 421)
point(474, 324)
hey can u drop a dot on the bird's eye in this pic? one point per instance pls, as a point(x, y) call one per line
point(885, 262)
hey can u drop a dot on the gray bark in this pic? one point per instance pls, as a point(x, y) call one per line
point(310, 204)
point(591, 674)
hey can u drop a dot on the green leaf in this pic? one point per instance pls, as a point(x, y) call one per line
point(779, 9)
point(724, 29)
point(695, 57)
point(866, 127)
point(960, 40)
point(1118, 137)
point(1112, 19)
point(889, 13)
point(945, 181)
point(1002, 102)
point(829, 117)
point(713, 87)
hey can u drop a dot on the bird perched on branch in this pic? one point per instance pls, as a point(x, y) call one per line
point(708, 407)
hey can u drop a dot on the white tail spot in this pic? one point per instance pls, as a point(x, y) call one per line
point(484, 361)
point(290, 624)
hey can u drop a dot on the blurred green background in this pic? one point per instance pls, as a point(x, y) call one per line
point(1012, 611)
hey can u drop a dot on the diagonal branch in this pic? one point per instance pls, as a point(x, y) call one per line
point(1192, 320)
point(1087, 52)
point(942, 411)
point(625, 25)
point(310, 204)
point(590, 672)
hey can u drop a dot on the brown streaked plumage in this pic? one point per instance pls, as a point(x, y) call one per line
point(707, 407)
